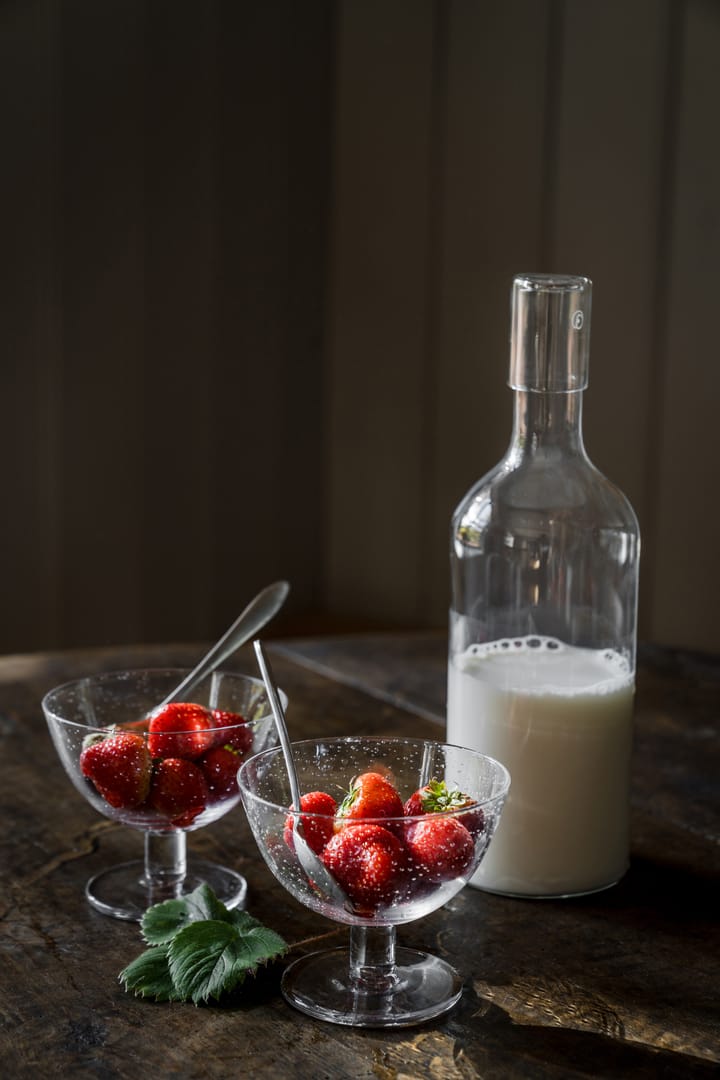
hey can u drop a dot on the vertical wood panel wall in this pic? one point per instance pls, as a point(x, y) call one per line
point(379, 300)
point(164, 192)
point(254, 282)
point(565, 136)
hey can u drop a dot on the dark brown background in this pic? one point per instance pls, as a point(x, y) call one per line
point(254, 275)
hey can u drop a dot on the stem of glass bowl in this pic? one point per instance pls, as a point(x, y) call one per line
point(165, 864)
point(372, 958)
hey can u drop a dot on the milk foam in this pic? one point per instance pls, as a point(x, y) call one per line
point(539, 665)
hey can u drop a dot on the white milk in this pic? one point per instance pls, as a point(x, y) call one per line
point(560, 719)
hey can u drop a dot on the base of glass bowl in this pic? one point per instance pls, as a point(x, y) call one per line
point(320, 985)
point(123, 892)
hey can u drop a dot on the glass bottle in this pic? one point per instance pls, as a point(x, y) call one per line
point(544, 568)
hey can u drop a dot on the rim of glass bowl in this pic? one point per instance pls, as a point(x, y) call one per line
point(128, 673)
point(503, 773)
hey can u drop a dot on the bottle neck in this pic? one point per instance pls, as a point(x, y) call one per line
point(547, 423)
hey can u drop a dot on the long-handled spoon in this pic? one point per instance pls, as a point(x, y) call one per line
point(257, 614)
point(315, 870)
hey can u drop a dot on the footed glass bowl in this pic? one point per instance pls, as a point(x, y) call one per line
point(162, 775)
point(390, 861)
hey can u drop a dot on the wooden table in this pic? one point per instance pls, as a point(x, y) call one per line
point(623, 983)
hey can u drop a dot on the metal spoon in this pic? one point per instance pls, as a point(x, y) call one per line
point(317, 873)
point(258, 612)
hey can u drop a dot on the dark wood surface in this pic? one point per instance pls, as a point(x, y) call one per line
point(623, 983)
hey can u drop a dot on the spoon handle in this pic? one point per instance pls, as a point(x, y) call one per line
point(270, 684)
point(258, 612)
point(320, 878)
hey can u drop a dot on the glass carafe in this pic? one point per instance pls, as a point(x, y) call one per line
point(544, 581)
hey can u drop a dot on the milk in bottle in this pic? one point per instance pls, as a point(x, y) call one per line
point(544, 561)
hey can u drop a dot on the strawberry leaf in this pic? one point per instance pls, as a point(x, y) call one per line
point(351, 797)
point(262, 943)
point(438, 797)
point(149, 975)
point(162, 922)
point(202, 960)
point(199, 949)
point(210, 958)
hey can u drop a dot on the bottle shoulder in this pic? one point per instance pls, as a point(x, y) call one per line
point(539, 487)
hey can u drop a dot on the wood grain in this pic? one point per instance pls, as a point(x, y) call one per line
point(618, 984)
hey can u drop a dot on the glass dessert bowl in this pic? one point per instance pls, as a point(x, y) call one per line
point(163, 771)
point(396, 828)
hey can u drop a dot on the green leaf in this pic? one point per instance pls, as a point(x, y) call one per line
point(149, 975)
point(210, 958)
point(198, 949)
point(349, 800)
point(162, 922)
point(263, 942)
point(204, 960)
point(204, 904)
point(438, 797)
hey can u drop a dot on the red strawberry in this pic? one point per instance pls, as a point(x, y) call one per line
point(371, 795)
point(179, 791)
point(120, 767)
point(220, 765)
point(368, 862)
point(440, 847)
point(437, 798)
point(238, 733)
point(316, 830)
point(180, 730)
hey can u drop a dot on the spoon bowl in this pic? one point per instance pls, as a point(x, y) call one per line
point(261, 609)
